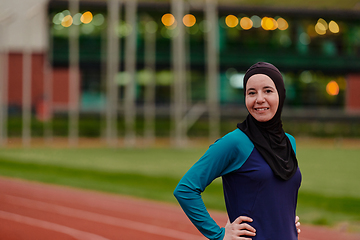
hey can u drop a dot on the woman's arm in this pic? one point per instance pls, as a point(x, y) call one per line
point(193, 183)
point(222, 157)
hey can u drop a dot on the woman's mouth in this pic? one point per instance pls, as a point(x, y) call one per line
point(261, 109)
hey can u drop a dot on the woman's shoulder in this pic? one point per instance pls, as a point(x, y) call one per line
point(236, 139)
point(292, 141)
point(291, 138)
point(237, 136)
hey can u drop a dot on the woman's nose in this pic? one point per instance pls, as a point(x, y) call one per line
point(260, 99)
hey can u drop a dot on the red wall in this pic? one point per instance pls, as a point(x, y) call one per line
point(60, 88)
point(15, 62)
point(60, 82)
point(352, 93)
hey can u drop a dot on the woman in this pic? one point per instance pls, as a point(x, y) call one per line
point(258, 166)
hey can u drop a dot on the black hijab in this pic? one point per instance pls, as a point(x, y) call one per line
point(269, 137)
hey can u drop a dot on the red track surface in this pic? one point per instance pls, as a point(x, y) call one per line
point(34, 211)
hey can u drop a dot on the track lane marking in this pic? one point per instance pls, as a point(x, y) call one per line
point(100, 218)
point(77, 234)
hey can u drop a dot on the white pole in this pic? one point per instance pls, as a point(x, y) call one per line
point(112, 67)
point(3, 79)
point(103, 82)
point(150, 64)
point(212, 51)
point(3, 92)
point(48, 86)
point(74, 77)
point(130, 69)
point(26, 83)
point(178, 62)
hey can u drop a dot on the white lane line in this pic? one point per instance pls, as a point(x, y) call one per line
point(100, 218)
point(77, 234)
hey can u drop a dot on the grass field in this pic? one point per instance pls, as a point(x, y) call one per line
point(329, 194)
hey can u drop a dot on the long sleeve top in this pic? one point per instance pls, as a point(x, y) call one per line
point(250, 189)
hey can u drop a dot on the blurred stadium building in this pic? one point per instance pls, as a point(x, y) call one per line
point(84, 56)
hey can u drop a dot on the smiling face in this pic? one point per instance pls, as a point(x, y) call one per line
point(261, 97)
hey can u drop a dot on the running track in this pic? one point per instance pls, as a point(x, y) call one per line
point(34, 211)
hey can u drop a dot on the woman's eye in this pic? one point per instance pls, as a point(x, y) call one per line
point(268, 91)
point(251, 93)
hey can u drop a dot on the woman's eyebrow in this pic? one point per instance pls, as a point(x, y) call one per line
point(265, 87)
point(250, 89)
point(268, 87)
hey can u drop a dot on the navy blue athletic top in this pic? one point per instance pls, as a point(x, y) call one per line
point(250, 189)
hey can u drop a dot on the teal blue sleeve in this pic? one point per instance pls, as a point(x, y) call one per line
point(292, 141)
point(224, 156)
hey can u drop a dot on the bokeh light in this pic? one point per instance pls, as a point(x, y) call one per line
point(168, 19)
point(67, 21)
point(304, 38)
point(319, 29)
point(87, 17)
point(124, 29)
point(236, 81)
point(76, 19)
point(66, 12)
point(87, 28)
point(306, 77)
point(231, 21)
point(205, 26)
point(256, 20)
point(246, 23)
point(64, 19)
point(58, 27)
point(57, 19)
point(151, 27)
point(332, 88)
point(98, 19)
point(334, 27)
point(311, 30)
point(323, 22)
point(282, 24)
point(189, 20)
point(269, 23)
point(321, 26)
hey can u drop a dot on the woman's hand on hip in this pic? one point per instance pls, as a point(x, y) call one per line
point(239, 229)
point(297, 224)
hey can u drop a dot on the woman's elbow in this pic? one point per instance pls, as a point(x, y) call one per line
point(177, 191)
